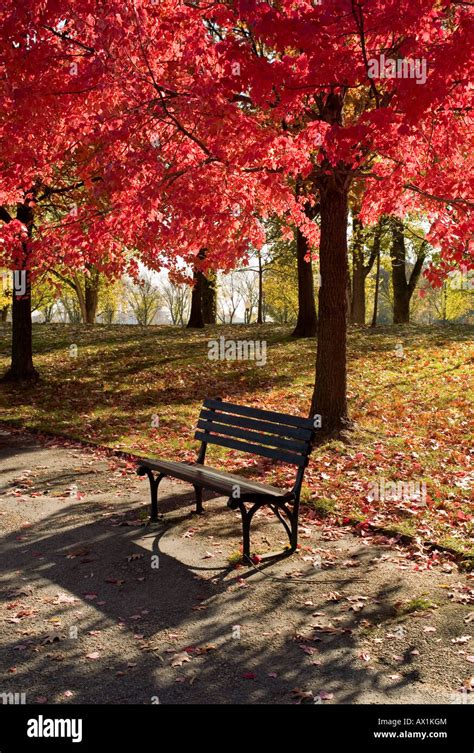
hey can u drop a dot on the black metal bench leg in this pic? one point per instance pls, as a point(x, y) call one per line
point(247, 516)
point(199, 507)
point(154, 484)
point(294, 532)
point(294, 527)
point(246, 520)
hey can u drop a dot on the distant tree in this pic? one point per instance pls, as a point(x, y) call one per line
point(86, 287)
point(281, 288)
point(365, 250)
point(454, 301)
point(144, 300)
point(176, 298)
point(70, 306)
point(403, 288)
point(230, 298)
point(111, 294)
point(247, 284)
point(44, 297)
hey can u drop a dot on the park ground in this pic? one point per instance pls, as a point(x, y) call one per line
point(376, 605)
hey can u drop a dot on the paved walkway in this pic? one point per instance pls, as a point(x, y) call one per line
point(97, 607)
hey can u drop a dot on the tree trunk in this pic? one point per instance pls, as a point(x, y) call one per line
point(4, 313)
point(358, 273)
point(307, 322)
point(444, 301)
point(401, 307)
point(76, 285)
point(329, 398)
point(376, 292)
point(91, 297)
point(209, 298)
point(21, 368)
point(401, 300)
point(403, 290)
point(260, 291)
point(196, 319)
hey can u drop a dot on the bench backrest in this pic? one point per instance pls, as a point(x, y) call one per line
point(260, 432)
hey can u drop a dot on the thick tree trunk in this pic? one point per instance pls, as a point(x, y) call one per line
point(88, 297)
point(358, 274)
point(329, 398)
point(91, 297)
point(209, 298)
point(21, 368)
point(401, 306)
point(196, 319)
point(401, 297)
point(307, 321)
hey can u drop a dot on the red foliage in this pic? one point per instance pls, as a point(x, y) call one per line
point(173, 126)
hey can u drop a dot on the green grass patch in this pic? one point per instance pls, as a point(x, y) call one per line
point(417, 604)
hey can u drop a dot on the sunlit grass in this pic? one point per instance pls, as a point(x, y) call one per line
point(413, 416)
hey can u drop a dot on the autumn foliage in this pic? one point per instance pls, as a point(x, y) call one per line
point(150, 130)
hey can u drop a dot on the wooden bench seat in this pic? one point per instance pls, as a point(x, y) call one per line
point(212, 478)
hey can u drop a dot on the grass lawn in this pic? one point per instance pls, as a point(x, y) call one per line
point(412, 414)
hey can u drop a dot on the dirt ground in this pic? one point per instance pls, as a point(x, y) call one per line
point(97, 607)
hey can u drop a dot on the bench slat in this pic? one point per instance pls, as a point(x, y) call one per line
point(272, 441)
point(258, 425)
point(212, 478)
point(244, 410)
point(233, 444)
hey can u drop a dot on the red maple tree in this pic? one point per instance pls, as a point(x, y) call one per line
point(189, 122)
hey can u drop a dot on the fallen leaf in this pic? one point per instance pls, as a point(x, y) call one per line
point(325, 696)
point(302, 695)
point(179, 659)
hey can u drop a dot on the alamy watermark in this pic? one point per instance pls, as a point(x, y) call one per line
point(19, 286)
point(383, 67)
point(237, 350)
point(461, 279)
point(13, 699)
point(382, 490)
point(63, 728)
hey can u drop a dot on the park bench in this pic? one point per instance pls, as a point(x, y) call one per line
point(278, 436)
